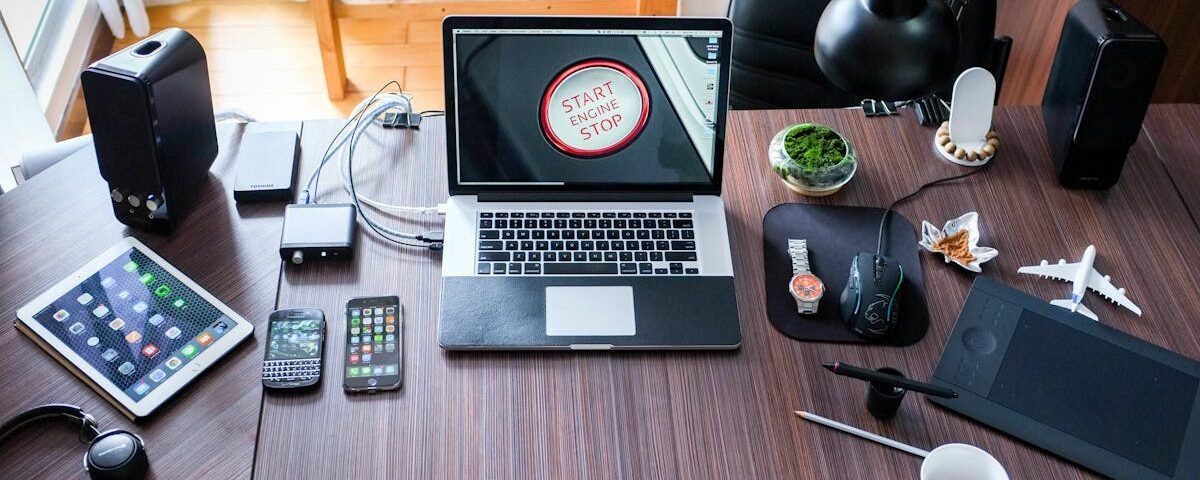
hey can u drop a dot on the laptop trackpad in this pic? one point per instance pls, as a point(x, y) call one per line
point(589, 311)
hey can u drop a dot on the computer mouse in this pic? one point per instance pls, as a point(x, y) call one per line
point(870, 301)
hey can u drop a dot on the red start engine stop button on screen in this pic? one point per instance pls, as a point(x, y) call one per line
point(594, 108)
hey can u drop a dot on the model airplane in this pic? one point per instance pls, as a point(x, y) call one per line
point(1082, 277)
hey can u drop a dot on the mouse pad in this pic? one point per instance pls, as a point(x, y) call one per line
point(835, 234)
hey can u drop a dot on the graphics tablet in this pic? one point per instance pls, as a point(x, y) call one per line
point(1082, 390)
point(132, 326)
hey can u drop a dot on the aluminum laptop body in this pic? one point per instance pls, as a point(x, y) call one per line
point(584, 165)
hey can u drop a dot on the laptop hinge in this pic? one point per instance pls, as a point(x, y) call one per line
point(585, 197)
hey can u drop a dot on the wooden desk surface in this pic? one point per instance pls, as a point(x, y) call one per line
point(593, 415)
point(62, 218)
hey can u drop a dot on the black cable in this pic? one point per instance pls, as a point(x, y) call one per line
point(355, 119)
point(898, 201)
point(433, 113)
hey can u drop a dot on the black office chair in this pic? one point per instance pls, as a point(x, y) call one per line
point(774, 65)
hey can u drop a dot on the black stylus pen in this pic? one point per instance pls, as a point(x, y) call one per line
point(890, 380)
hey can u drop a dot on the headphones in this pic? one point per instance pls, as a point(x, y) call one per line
point(111, 455)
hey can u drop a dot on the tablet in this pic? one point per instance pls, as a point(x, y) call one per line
point(133, 327)
point(1104, 399)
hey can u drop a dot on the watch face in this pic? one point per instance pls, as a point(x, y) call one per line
point(806, 287)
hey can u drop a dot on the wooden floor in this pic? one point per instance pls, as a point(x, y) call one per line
point(263, 56)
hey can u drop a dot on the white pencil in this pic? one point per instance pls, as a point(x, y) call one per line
point(861, 433)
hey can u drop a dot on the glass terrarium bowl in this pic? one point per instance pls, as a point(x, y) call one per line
point(818, 182)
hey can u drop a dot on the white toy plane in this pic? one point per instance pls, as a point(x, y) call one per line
point(1082, 277)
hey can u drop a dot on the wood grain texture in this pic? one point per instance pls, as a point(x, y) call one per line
point(61, 219)
point(330, 39)
point(716, 414)
point(1171, 130)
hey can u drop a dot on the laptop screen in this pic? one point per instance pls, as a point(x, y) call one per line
point(586, 107)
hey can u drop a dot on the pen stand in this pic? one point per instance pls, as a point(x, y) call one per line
point(884, 400)
point(967, 139)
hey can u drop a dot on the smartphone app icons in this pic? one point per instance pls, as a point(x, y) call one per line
point(125, 368)
point(390, 319)
point(109, 355)
point(354, 349)
point(354, 330)
point(354, 312)
point(391, 310)
point(366, 312)
point(379, 338)
point(100, 311)
point(93, 341)
point(178, 303)
point(354, 339)
point(366, 358)
point(162, 291)
point(140, 307)
point(354, 322)
point(133, 337)
point(173, 363)
point(61, 315)
point(158, 375)
point(389, 370)
point(141, 388)
point(204, 339)
point(173, 333)
point(352, 372)
point(377, 370)
point(220, 327)
point(76, 328)
point(116, 324)
point(150, 350)
point(131, 266)
point(108, 282)
point(379, 329)
point(366, 348)
point(390, 337)
point(85, 299)
point(390, 329)
point(391, 347)
point(156, 319)
point(354, 358)
point(124, 295)
point(189, 350)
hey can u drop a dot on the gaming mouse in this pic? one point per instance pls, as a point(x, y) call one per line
point(870, 301)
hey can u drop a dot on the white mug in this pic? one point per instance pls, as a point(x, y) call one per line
point(959, 461)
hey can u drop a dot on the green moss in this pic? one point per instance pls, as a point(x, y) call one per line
point(812, 148)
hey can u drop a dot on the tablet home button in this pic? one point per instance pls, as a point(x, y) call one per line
point(979, 340)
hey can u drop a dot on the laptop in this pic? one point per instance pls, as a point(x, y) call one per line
point(585, 162)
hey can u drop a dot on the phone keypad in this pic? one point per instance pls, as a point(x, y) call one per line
point(291, 370)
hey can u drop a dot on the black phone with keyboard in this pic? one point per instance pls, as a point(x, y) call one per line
point(295, 348)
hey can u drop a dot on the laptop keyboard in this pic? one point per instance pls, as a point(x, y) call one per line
point(587, 243)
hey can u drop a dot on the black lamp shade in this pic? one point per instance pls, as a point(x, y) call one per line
point(887, 49)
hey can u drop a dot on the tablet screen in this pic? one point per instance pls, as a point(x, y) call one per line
point(134, 323)
point(1096, 391)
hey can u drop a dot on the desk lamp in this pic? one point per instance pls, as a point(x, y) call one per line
point(888, 49)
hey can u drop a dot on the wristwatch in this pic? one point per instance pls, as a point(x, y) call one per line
point(805, 287)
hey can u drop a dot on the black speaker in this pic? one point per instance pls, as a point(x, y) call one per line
point(1100, 86)
point(150, 110)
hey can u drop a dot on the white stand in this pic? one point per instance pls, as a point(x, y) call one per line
point(970, 115)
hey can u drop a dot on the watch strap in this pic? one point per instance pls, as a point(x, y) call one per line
point(798, 250)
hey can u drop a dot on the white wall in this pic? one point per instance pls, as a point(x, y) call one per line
point(703, 8)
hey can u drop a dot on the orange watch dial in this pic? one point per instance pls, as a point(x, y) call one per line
point(807, 287)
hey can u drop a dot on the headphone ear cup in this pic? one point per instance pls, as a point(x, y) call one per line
point(116, 455)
